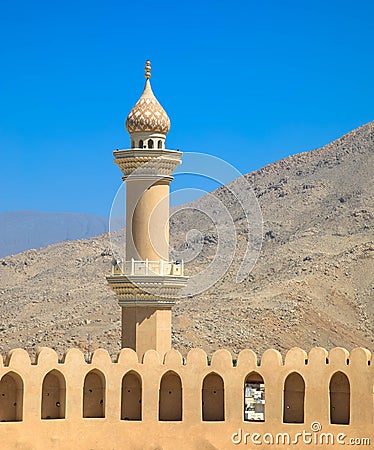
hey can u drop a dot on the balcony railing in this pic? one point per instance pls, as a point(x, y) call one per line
point(146, 267)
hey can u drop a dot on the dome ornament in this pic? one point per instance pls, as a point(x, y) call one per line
point(148, 69)
point(147, 116)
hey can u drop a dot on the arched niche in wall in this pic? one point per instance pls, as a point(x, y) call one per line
point(11, 398)
point(131, 398)
point(213, 398)
point(53, 396)
point(293, 399)
point(170, 397)
point(254, 398)
point(94, 394)
point(339, 399)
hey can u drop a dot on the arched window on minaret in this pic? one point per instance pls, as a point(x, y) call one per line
point(131, 402)
point(132, 144)
point(170, 399)
point(159, 144)
point(94, 394)
point(141, 143)
point(293, 399)
point(339, 399)
point(11, 395)
point(53, 396)
point(213, 398)
point(254, 398)
point(150, 143)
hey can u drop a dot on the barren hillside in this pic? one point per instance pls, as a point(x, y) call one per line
point(313, 283)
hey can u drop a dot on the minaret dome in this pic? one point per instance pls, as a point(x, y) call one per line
point(147, 122)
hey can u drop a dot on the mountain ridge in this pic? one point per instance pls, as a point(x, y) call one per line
point(25, 229)
point(312, 284)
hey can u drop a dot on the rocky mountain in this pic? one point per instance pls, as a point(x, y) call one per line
point(23, 230)
point(313, 282)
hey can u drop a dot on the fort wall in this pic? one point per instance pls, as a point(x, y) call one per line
point(310, 400)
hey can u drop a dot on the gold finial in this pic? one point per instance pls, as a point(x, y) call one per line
point(148, 69)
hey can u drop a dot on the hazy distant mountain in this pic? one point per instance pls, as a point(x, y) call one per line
point(313, 283)
point(23, 230)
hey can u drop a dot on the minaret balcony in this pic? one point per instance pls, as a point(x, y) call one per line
point(148, 268)
point(147, 283)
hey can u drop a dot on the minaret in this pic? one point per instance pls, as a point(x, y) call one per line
point(147, 283)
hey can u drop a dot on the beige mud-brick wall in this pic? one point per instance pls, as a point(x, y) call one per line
point(174, 390)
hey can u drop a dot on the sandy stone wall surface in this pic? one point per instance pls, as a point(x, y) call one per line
point(194, 403)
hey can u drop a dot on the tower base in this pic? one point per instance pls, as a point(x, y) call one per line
point(145, 327)
point(146, 302)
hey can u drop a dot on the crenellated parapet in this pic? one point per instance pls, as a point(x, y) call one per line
point(331, 391)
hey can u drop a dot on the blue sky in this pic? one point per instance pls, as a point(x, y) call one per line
point(249, 82)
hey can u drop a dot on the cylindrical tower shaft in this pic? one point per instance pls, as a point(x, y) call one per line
point(147, 220)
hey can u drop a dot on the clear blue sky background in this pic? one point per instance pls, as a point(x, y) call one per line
point(248, 81)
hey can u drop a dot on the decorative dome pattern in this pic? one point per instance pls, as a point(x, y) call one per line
point(148, 115)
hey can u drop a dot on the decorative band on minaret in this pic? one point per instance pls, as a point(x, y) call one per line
point(147, 283)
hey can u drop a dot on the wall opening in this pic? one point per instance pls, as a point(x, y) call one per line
point(170, 397)
point(213, 398)
point(254, 398)
point(94, 394)
point(11, 398)
point(339, 399)
point(293, 399)
point(159, 144)
point(141, 144)
point(131, 401)
point(132, 144)
point(53, 396)
point(150, 143)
